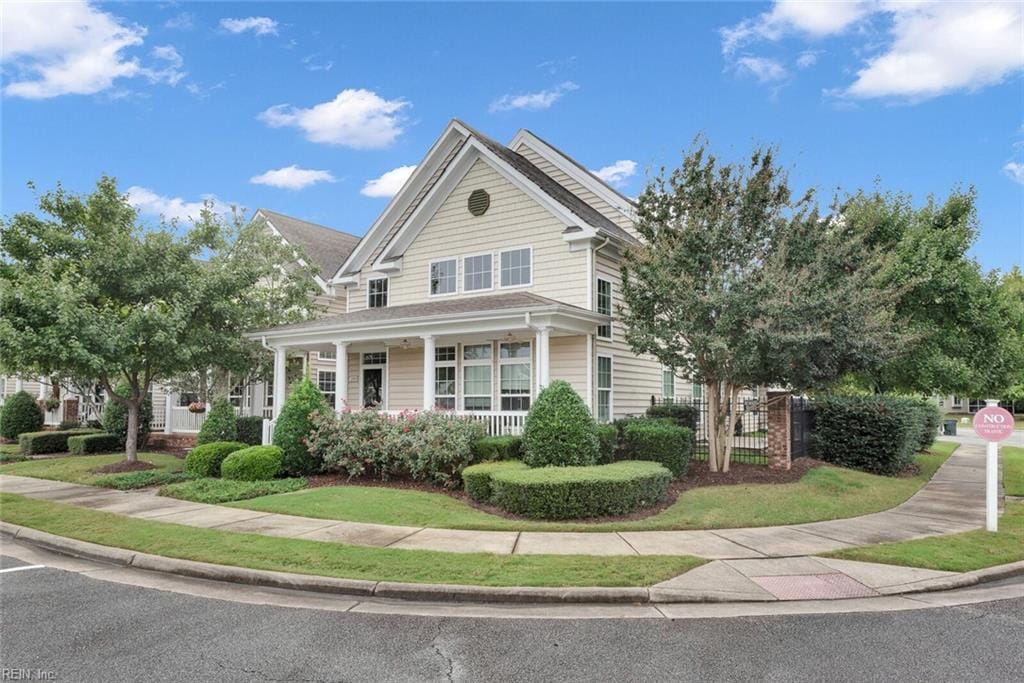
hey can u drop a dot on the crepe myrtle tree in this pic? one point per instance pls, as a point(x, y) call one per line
point(86, 290)
point(739, 283)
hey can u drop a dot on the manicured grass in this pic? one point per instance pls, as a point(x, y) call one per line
point(78, 470)
point(823, 493)
point(1013, 470)
point(335, 559)
point(9, 449)
point(956, 552)
point(213, 491)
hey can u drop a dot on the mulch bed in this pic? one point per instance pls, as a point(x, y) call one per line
point(124, 466)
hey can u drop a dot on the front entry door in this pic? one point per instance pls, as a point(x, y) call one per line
point(373, 384)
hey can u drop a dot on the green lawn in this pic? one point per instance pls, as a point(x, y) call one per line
point(9, 449)
point(1013, 470)
point(956, 552)
point(214, 491)
point(335, 559)
point(78, 470)
point(823, 493)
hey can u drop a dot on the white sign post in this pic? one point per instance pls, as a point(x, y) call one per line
point(993, 424)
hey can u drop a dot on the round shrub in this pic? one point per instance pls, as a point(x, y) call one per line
point(115, 418)
point(929, 417)
point(559, 429)
point(294, 426)
point(219, 424)
point(477, 478)
point(20, 414)
point(660, 441)
point(255, 463)
point(877, 434)
point(580, 492)
point(205, 460)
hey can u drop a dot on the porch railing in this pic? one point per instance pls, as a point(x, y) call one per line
point(497, 422)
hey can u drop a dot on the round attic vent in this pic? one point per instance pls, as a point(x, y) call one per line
point(479, 202)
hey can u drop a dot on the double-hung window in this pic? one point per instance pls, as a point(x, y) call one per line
point(444, 378)
point(443, 279)
point(235, 395)
point(327, 381)
point(604, 306)
point(327, 355)
point(268, 392)
point(476, 376)
point(514, 375)
point(604, 388)
point(377, 292)
point(516, 267)
point(476, 272)
point(668, 383)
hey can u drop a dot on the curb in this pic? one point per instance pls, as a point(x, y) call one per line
point(434, 592)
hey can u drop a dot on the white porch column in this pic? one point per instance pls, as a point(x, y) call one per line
point(19, 384)
point(340, 375)
point(543, 357)
point(280, 367)
point(168, 410)
point(428, 371)
point(42, 387)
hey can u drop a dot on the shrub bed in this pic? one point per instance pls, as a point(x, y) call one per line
point(20, 414)
point(294, 426)
point(90, 444)
point(255, 463)
point(219, 425)
point(138, 480)
point(662, 442)
point(559, 429)
point(878, 434)
point(39, 443)
point(607, 443)
point(215, 491)
point(249, 430)
point(477, 478)
point(498, 448)
point(205, 460)
point(682, 414)
point(579, 492)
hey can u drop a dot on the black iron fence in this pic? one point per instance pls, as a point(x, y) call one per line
point(749, 438)
point(801, 424)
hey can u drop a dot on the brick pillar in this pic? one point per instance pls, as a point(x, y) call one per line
point(778, 430)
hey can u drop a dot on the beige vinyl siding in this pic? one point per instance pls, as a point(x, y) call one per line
point(568, 361)
point(331, 305)
point(513, 220)
point(31, 386)
point(405, 378)
point(316, 363)
point(610, 212)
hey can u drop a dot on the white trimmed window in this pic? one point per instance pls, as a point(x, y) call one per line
point(476, 376)
point(668, 383)
point(377, 292)
point(516, 267)
point(268, 393)
point(327, 381)
point(698, 391)
point(604, 388)
point(327, 355)
point(514, 375)
point(604, 306)
point(443, 277)
point(477, 272)
point(444, 377)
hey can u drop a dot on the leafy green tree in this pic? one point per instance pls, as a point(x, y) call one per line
point(86, 290)
point(1011, 291)
point(294, 425)
point(738, 283)
point(115, 418)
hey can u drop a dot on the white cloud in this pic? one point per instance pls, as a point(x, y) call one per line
point(1015, 171)
point(184, 21)
point(534, 100)
point(62, 48)
point(807, 59)
point(359, 119)
point(939, 48)
point(617, 173)
point(765, 70)
point(292, 177)
point(260, 26)
point(171, 72)
point(816, 19)
point(388, 184)
point(171, 208)
point(311, 63)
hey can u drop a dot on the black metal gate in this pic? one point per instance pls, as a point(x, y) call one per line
point(749, 438)
point(801, 422)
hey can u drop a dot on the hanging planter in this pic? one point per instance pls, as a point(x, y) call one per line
point(52, 403)
point(197, 407)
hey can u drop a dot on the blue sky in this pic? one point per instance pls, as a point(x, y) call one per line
point(181, 101)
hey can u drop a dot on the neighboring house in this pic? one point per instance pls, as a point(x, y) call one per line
point(493, 271)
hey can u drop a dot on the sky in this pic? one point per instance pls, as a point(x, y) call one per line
point(321, 110)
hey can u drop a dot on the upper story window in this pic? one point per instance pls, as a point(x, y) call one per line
point(516, 267)
point(443, 279)
point(327, 355)
point(604, 306)
point(477, 272)
point(377, 293)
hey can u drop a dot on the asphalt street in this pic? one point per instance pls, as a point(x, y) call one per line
point(60, 625)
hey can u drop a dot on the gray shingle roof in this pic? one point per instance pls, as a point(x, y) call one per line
point(327, 248)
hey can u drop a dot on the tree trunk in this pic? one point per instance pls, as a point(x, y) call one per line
point(131, 442)
point(722, 397)
point(711, 391)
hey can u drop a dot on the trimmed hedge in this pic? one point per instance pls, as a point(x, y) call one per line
point(929, 418)
point(559, 429)
point(38, 443)
point(661, 442)
point(580, 492)
point(477, 478)
point(20, 414)
point(249, 430)
point(89, 444)
point(294, 425)
point(608, 441)
point(219, 425)
point(682, 414)
point(878, 434)
point(205, 460)
point(255, 463)
point(498, 448)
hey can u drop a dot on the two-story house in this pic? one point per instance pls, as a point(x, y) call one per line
point(494, 270)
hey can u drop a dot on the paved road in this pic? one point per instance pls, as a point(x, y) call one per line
point(84, 629)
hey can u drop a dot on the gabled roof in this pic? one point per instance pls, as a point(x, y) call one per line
point(327, 248)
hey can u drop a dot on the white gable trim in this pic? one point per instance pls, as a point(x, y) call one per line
point(562, 163)
point(472, 151)
point(323, 284)
point(454, 134)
